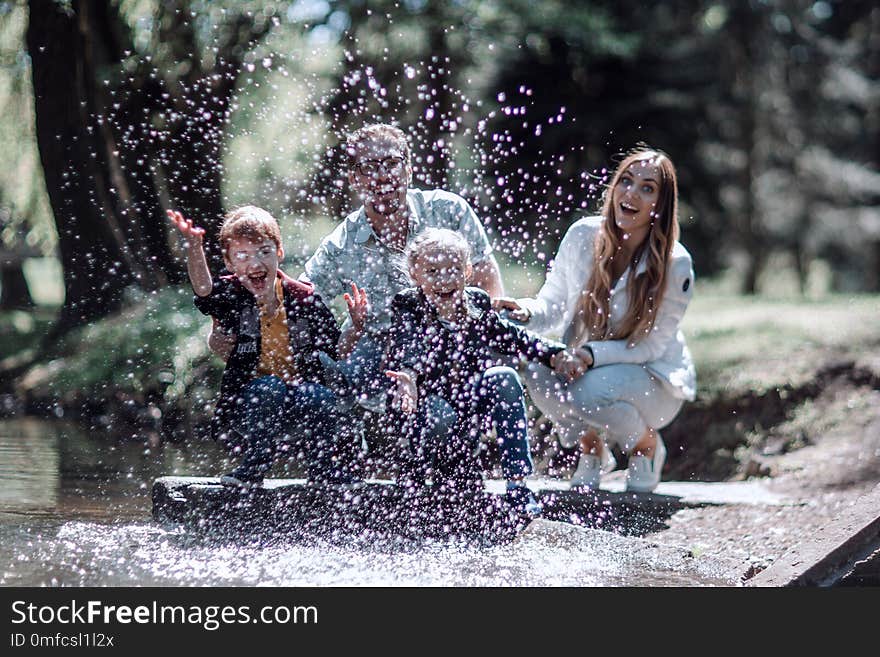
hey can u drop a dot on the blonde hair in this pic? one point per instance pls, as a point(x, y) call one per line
point(645, 291)
point(249, 222)
point(433, 239)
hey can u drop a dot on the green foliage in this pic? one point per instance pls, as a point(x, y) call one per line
point(21, 330)
point(154, 347)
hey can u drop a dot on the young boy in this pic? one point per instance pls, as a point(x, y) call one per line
point(271, 385)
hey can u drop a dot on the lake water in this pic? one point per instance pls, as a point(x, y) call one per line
point(75, 510)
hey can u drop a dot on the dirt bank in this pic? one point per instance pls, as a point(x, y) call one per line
point(818, 445)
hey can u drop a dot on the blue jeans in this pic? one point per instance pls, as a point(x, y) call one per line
point(442, 434)
point(364, 372)
point(269, 410)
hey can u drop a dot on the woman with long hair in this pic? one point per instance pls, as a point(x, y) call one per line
point(616, 292)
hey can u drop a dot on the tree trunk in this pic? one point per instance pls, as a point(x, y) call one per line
point(126, 140)
point(197, 114)
point(746, 61)
point(14, 292)
point(97, 267)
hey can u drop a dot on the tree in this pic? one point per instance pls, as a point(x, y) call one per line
point(407, 64)
point(579, 85)
point(119, 129)
point(96, 261)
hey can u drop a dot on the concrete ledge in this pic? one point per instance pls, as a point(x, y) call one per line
point(381, 506)
point(294, 508)
point(832, 553)
point(678, 493)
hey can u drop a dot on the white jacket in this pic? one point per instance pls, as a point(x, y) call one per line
point(663, 351)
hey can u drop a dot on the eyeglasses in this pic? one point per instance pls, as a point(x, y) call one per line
point(372, 167)
point(262, 254)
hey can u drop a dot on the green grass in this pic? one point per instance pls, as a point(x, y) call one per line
point(755, 342)
point(758, 342)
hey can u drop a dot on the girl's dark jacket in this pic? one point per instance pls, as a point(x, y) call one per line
point(311, 328)
point(450, 362)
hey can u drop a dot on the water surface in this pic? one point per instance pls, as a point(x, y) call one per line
point(75, 511)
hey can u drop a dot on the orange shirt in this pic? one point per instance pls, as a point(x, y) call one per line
point(276, 357)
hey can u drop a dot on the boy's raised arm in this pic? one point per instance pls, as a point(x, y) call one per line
point(196, 263)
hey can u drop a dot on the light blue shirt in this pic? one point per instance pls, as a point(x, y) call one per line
point(353, 254)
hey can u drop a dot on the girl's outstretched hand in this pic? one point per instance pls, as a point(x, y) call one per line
point(358, 306)
point(515, 311)
point(192, 233)
point(406, 393)
point(585, 356)
point(568, 364)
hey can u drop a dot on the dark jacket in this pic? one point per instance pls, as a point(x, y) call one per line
point(311, 328)
point(450, 362)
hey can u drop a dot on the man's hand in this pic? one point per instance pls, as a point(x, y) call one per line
point(219, 342)
point(515, 311)
point(358, 307)
point(405, 395)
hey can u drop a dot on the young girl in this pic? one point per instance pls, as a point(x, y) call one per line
point(617, 291)
point(447, 388)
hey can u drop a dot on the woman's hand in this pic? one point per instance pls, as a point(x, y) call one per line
point(193, 234)
point(515, 311)
point(406, 393)
point(568, 364)
point(585, 355)
point(358, 307)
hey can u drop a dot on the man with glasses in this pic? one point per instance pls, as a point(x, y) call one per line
point(366, 249)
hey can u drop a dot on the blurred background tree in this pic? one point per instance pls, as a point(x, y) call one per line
point(768, 107)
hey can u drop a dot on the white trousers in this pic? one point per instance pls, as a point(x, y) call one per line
point(621, 401)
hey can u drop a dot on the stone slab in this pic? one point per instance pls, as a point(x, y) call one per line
point(828, 555)
point(381, 506)
point(292, 507)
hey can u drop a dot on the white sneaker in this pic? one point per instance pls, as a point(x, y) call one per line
point(588, 472)
point(643, 474)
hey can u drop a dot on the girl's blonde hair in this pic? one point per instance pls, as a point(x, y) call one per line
point(645, 291)
point(431, 239)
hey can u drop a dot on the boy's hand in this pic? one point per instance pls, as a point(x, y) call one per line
point(196, 264)
point(515, 311)
point(219, 342)
point(568, 364)
point(358, 306)
point(192, 233)
point(406, 394)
